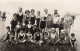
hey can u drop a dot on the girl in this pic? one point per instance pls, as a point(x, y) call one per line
point(21, 36)
point(61, 24)
point(29, 27)
point(53, 36)
point(20, 15)
point(73, 40)
point(29, 37)
point(46, 13)
point(18, 27)
point(38, 18)
point(27, 16)
point(49, 22)
point(14, 22)
point(56, 22)
point(23, 25)
point(33, 17)
point(42, 24)
point(37, 38)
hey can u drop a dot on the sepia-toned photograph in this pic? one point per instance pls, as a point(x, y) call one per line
point(39, 25)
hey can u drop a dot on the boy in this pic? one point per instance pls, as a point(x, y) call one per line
point(73, 40)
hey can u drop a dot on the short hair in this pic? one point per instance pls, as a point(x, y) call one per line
point(72, 34)
point(62, 18)
point(14, 14)
point(32, 10)
point(27, 11)
point(8, 27)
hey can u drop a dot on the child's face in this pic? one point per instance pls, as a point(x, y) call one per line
point(18, 23)
point(62, 20)
point(14, 16)
point(32, 12)
point(29, 22)
point(20, 9)
point(7, 29)
point(38, 13)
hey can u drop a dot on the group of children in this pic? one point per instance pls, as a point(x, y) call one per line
point(31, 28)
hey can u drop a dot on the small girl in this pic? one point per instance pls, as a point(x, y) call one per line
point(73, 40)
point(37, 38)
point(18, 27)
point(53, 36)
point(38, 18)
point(28, 27)
point(21, 36)
point(27, 16)
point(20, 15)
point(33, 17)
point(29, 37)
point(42, 24)
point(23, 25)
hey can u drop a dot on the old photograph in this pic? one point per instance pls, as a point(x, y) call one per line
point(39, 25)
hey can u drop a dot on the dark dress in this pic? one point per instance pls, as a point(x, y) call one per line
point(38, 21)
point(33, 20)
point(20, 17)
point(37, 37)
point(42, 24)
point(13, 24)
point(73, 41)
point(27, 19)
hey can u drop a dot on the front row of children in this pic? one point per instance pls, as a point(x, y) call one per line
point(39, 37)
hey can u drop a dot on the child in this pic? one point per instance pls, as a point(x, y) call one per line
point(21, 36)
point(17, 30)
point(8, 34)
point(14, 22)
point(62, 37)
point(46, 13)
point(53, 36)
point(27, 16)
point(42, 24)
point(37, 38)
point(73, 40)
point(33, 17)
point(20, 15)
point(28, 26)
point(49, 22)
point(29, 37)
point(3, 16)
point(23, 25)
point(61, 24)
point(38, 18)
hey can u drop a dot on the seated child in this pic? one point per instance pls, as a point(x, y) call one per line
point(21, 36)
point(28, 37)
point(53, 36)
point(62, 38)
point(73, 40)
point(37, 38)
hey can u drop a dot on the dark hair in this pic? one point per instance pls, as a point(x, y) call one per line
point(27, 11)
point(72, 34)
point(8, 28)
point(62, 18)
point(14, 14)
point(32, 10)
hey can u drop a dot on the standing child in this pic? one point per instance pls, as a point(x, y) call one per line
point(38, 18)
point(33, 17)
point(18, 27)
point(20, 15)
point(27, 16)
point(42, 24)
point(14, 22)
